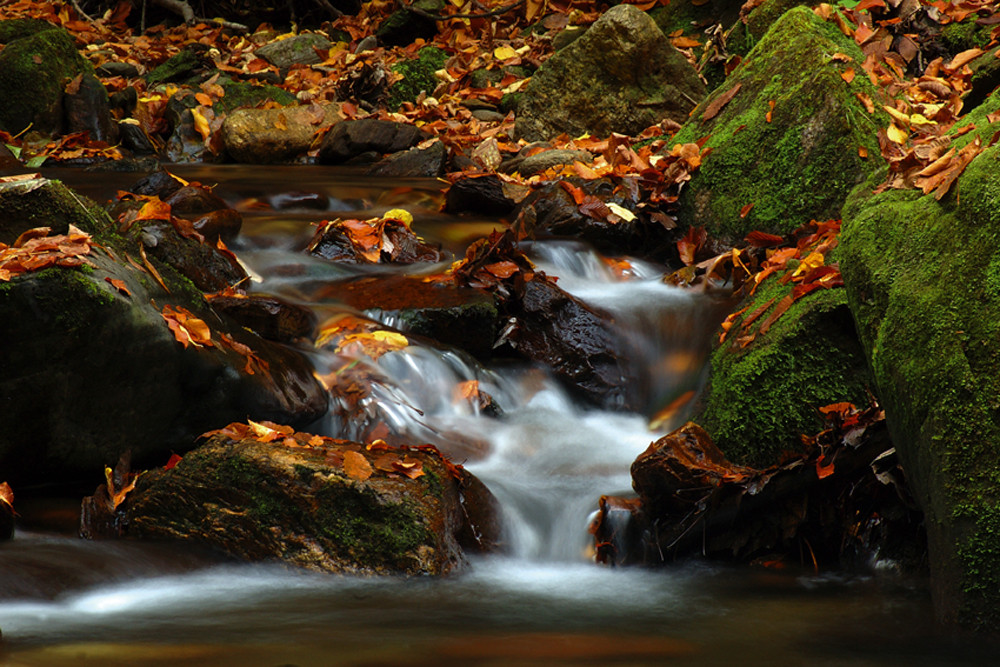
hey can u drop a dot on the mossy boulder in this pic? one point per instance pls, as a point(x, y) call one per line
point(923, 281)
point(322, 504)
point(12, 29)
point(34, 71)
point(794, 161)
point(622, 75)
point(760, 398)
point(405, 26)
point(418, 76)
point(90, 368)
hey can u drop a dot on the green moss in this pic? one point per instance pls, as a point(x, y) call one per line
point(763, 397)
point(799, 166)
point(418, 76)
point(964, 35)
point(922, 278)
point(12, 29)
point(242, 94)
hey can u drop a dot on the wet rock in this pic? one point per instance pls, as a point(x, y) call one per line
point(33, 73)
point(192, 200)
point(269, 317)
point(813, 134)
point(486, 195)
point(86, 109)
point(622, 75)
point(460, 317)
point(135, 139)
point(922, 281)
point(190, 62)
point(90, 367)
point(318, 503)
point(200, 262)
point(299, 49)
point(114, 68)
point(417, 162)
point(580, 345)
point(354, 137)
point(552, 211)
point(267, 136)
point(376, 241)
point(535, 163)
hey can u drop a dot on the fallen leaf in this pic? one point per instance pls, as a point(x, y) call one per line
point(848, 74)
point(173, 461)
point(6, 494)
point(716, 105)
point(823, 471)
point(746, 210)
point(356, 466)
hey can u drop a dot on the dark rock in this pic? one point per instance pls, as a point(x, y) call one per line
point(417, 162)
point(90, 369)
point(405, 26)
point(201, 263)
point(113, 68)
point(622, 75)
point(269, 317)
point(185, 65)
point(135, 139)
point(299, 49)
point(460, 317)
point(87, 110)
point(33, 73)
point(486, 195)
point(488, 116)
point(267, 136)
point(7, 159)
point(338, 241)
point(551, 211)
point(189, 200)
point(160, 183)
point(318, 503)
point(124, 101)
point(535, 163)
point(580, 345)
point(353, 137)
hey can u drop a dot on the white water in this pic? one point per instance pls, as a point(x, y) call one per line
point(65, 601)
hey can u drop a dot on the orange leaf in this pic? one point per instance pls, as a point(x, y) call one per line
point(203, 99)
point(504, 269)
point(823, 471)
point(6, 494)
point(848, 74)
point(746, 210)
point(356, 466)
point(174, 460)
point(154, 209)
point(770, 111)
point(118, 285)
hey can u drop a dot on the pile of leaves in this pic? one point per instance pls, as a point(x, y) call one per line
point(38, 249)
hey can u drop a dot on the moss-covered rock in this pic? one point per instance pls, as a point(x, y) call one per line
point(404, 26)
point(762, 397)
point(302, 505)
point(89, 367)
point(12, 29)
point(923, 280)
point(418, 76)
point(622, 75)
point(794, 161)
point(33, 73)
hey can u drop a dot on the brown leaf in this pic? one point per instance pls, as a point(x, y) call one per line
point(356, 466)
point(848, 74)
point(6, 494)
point(118, 285)
point(716, 105)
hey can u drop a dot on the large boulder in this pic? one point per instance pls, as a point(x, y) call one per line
point(622, 75)
point(267, 493)
point(923, 281)
point(107, 349)
point(788, 134)
point(34, 71)
point(268, 136)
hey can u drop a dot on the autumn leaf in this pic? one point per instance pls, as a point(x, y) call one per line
point(356, 466)
point(823, 471)
point(848, 74)
point(745, 210)
point(172, 461)
point(118, 285)
point(375, 343)
point(6, 494)
point(187, 329)
point(688, 246)
point(716, 105)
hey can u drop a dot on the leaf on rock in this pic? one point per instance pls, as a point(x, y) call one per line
point(716, 105)
point(356, 466)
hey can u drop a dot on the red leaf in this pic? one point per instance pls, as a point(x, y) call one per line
point(689, 245)
point(823, 471)
point(764, 240)
point(174, 460)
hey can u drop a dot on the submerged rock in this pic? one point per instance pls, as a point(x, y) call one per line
point(923, 281)
point(318, 503)
point(622, 75)
point(786, 133)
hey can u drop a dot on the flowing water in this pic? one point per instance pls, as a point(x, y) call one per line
point(64, 601)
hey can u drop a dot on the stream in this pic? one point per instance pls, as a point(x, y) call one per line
point(66, 601)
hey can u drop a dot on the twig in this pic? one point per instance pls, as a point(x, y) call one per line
point(79, 10)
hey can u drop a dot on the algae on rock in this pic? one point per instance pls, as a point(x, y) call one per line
point(790, 139)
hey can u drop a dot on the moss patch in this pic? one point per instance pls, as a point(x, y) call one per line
point(922, 278)
point(418, 76)
point(799, 166)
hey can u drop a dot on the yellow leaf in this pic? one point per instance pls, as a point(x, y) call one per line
point(201, 124)
point(920, 119)
point(897, 135)
point(504, 53)
point(400, 214)
point(813, 261)
point(896, 114)
point(621, 212)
